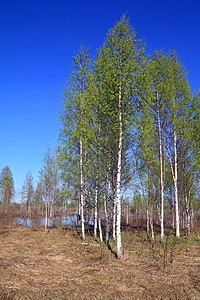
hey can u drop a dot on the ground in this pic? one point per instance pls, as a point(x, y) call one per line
point(60, 265)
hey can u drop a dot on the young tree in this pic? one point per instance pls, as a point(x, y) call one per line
point(156, 88)
point(118, 65)
point(73, 135)
point(46, 177)
point(192, 134)
point(146, 155)
point(177, 96)
point(38, 197)
point(6, 186)
point(167, 94)
point(28, 191)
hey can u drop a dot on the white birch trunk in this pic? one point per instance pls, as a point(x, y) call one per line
point(105, 208)
point(82, 200)
point(114, 218)
point(50, 211)
point(108, 222)
point(192, 217)
point(97, 187)
point(79, 205)
point(161, 176)
point(100, 231)
point(118, 224)
point(175, 187)
point(46, 216)
point(152, 215)
point(95, 208)
point(86, 200)
point(148, 216)
point(108, 213)
point(187, 215)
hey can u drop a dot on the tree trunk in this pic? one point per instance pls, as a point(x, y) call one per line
point(148, 216)
point(187, 214)
point(114, 218)
point(114, 205)
point(46, 216)
point(79, 209)
point(118, 224)
point(86, 199)
point(109, 198)
point(50, 212)
point(151, 225)
point(175, 187)
point(97, 186)
point(82, 200)
point(95, 207)
point(100, 231)
point(187, 198)
point(161, 175)
point(173, 221)
point(105, 207)
point(192, 217)
point(127, 214)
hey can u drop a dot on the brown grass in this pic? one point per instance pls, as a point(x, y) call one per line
point(60, 265)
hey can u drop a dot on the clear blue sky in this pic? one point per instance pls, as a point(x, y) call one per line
point(38, 39)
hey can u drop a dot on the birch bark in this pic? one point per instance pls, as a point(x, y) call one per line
point(175, 186)
point(114, 214)
point(118, 224)
point(95, 207)
point(97, 186)
point(161, 174)
point(46, 216)
point(108, 212)
point(82, 199)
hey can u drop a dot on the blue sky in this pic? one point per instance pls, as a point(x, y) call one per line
point(38, 39)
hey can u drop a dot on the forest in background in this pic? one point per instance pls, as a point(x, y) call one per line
point(129, 136)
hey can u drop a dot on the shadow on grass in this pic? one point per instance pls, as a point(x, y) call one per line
point(113, 252)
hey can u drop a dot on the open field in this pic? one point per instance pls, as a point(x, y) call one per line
point(60, 265)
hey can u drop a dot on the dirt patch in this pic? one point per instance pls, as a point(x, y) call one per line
point(59, 265)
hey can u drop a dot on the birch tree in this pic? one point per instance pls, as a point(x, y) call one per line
point(152, 88)
point(118, 65)
point(178, 93)
point(28, 191)
point(74, 122)
point(46, 175)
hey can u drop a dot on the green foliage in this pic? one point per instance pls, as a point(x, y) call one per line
point(74, 117)
point(194, 128)
point(154, 93)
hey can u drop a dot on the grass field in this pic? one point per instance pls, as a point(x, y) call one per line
point(60, 265)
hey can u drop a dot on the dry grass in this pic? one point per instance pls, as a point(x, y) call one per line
point(59, 265)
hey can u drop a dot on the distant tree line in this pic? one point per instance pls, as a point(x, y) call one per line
point(45, 199)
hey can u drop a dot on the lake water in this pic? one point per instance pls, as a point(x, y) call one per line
point(55, 221)
point(70, 220)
